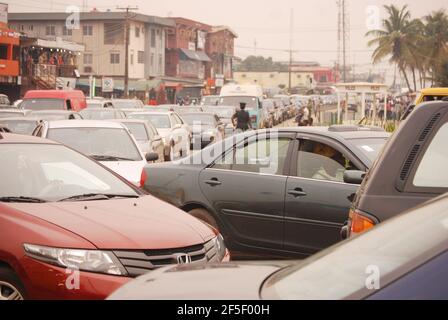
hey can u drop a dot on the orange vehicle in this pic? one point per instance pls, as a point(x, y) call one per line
point(54, 100)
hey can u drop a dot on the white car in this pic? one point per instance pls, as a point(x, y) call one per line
point(176, 134)
point(110, 143)
point(146, 135)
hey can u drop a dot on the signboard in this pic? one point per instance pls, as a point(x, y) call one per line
point(108, 85)
point(3, 13)
point(191, 46)
point(201, 39)
point(219, 80)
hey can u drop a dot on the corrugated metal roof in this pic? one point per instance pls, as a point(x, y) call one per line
point(196, 55)
point(90, 16)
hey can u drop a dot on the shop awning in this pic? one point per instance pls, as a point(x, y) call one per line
point(196, 55)
point(134, 85)
point(60, 44)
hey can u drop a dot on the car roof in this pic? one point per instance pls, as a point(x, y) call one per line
point(130, 121)
point(164, 113)
point(443, 91)
point(53, 111)
point(211, 114)
point(6, 138)
point(59, 124)
point(12, 110)
point(30, 119)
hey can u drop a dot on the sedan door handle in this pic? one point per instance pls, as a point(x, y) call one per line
point(297, 192)
point(213, 182)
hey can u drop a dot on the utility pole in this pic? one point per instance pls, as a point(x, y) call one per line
point(126, 54)
point(290, 50)
point(344, 57)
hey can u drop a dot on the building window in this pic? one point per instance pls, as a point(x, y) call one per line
point(113, 34)
point(115, 58)
point(50, 30)
point(87, 30)
point(31, 27)
point(88, 69)
point(141, 57)
point(67, 31)
point(152, 60)
point(153, 38)
point(132, 57)
point(137, 32)
point(88, 58)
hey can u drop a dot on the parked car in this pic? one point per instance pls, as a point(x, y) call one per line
point(225, 114)
point(275, 193)
point(102, 114)
point(63, 215)
point(127, 103)
point(55, 115)
point(147, 136)
point(410, 170)
point(99, 104)
point(20, 125)
point(36, 100)
point(110, 143)
point(207, 128)
point(209, 100)
point(175, 133)
point(378, 265)
point(8, 113)
point(4, 102)
point(431, 94)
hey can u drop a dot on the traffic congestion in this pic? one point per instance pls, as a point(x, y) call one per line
point(222, 188)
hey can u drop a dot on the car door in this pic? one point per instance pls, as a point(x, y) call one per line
point(246, 188)
point(317, 199)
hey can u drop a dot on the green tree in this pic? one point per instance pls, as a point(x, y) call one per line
point(260, 64)
point(398, 40)
point(436, 43)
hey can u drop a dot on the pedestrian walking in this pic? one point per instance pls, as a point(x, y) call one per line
point(242, 119)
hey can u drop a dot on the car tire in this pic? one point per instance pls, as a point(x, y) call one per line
point(204, 215)
point(11, 288)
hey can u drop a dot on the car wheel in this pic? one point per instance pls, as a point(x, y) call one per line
point(10, 286)
point(205, 216)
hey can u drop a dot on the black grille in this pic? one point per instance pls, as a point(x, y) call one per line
point(429, 127)
point(409, 161)
point(139, 262)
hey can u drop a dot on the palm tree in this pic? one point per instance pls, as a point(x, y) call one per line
point(398, 39)
point(436, 38)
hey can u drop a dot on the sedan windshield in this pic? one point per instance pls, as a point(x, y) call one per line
point(43, 104)
point(51, 173)
point(99, 143)
point(370, 147)
point(158, 121)
point(138, 130)
point(18, 126)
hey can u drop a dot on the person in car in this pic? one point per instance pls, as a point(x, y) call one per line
point(332, 163)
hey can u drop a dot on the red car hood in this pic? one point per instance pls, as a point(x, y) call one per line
point(144, 223)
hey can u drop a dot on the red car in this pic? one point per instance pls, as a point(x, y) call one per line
point(36, 100)
point(72, 229)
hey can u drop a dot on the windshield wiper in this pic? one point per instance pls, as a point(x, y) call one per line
point(22, 199)
point(109, 158)
point(97, 196)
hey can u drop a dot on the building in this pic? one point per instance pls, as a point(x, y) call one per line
point(276, 79)
point(9, 58)
point(185, 50)
point(103, 36)
point(220, 48)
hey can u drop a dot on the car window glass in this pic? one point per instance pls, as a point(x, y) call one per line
point(266, 156)
point(320, 161)
point(432, 169)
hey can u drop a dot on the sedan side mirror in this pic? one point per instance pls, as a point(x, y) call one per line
point(354, 176)
point(151, 157)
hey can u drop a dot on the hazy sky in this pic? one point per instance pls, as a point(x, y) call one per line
point(265, 21)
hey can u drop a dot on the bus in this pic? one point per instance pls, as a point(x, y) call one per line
point(251, 95)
